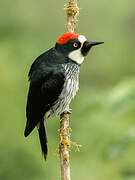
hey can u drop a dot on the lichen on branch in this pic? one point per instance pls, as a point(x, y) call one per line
point(72, 12)
point(65, 144)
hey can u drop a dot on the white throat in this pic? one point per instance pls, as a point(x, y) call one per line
point(76, 55)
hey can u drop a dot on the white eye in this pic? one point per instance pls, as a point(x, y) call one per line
point(75, 44)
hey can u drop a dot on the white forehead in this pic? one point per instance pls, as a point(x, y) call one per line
point(82, 39)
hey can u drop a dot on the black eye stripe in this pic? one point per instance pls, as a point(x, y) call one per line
point(75, 44)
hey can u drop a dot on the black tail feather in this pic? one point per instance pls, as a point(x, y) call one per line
point(28, 129)
point(43, 138)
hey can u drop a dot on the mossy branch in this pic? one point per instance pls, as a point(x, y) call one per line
point(72, 12)
point(64, 147)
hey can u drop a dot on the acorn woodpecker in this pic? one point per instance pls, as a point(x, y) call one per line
point(54, 82)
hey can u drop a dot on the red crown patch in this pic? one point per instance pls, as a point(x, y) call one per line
point(67, 36)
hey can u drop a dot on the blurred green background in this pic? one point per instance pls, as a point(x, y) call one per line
point(103, 118)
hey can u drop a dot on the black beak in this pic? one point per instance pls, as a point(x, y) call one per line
point(87, 46)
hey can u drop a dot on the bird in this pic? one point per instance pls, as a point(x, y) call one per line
point(54, 82)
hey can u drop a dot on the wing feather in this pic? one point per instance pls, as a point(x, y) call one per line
point(46, 84)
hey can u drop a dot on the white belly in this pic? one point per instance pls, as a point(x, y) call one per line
point(70, 88)
point(68, 93)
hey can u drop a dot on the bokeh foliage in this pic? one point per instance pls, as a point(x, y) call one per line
point(103, 118)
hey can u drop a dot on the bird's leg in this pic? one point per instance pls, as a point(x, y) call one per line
point(67, 110)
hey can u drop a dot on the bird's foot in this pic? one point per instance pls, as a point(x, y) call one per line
point(67, 111)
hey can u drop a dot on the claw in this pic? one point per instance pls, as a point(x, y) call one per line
point(69, 111)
